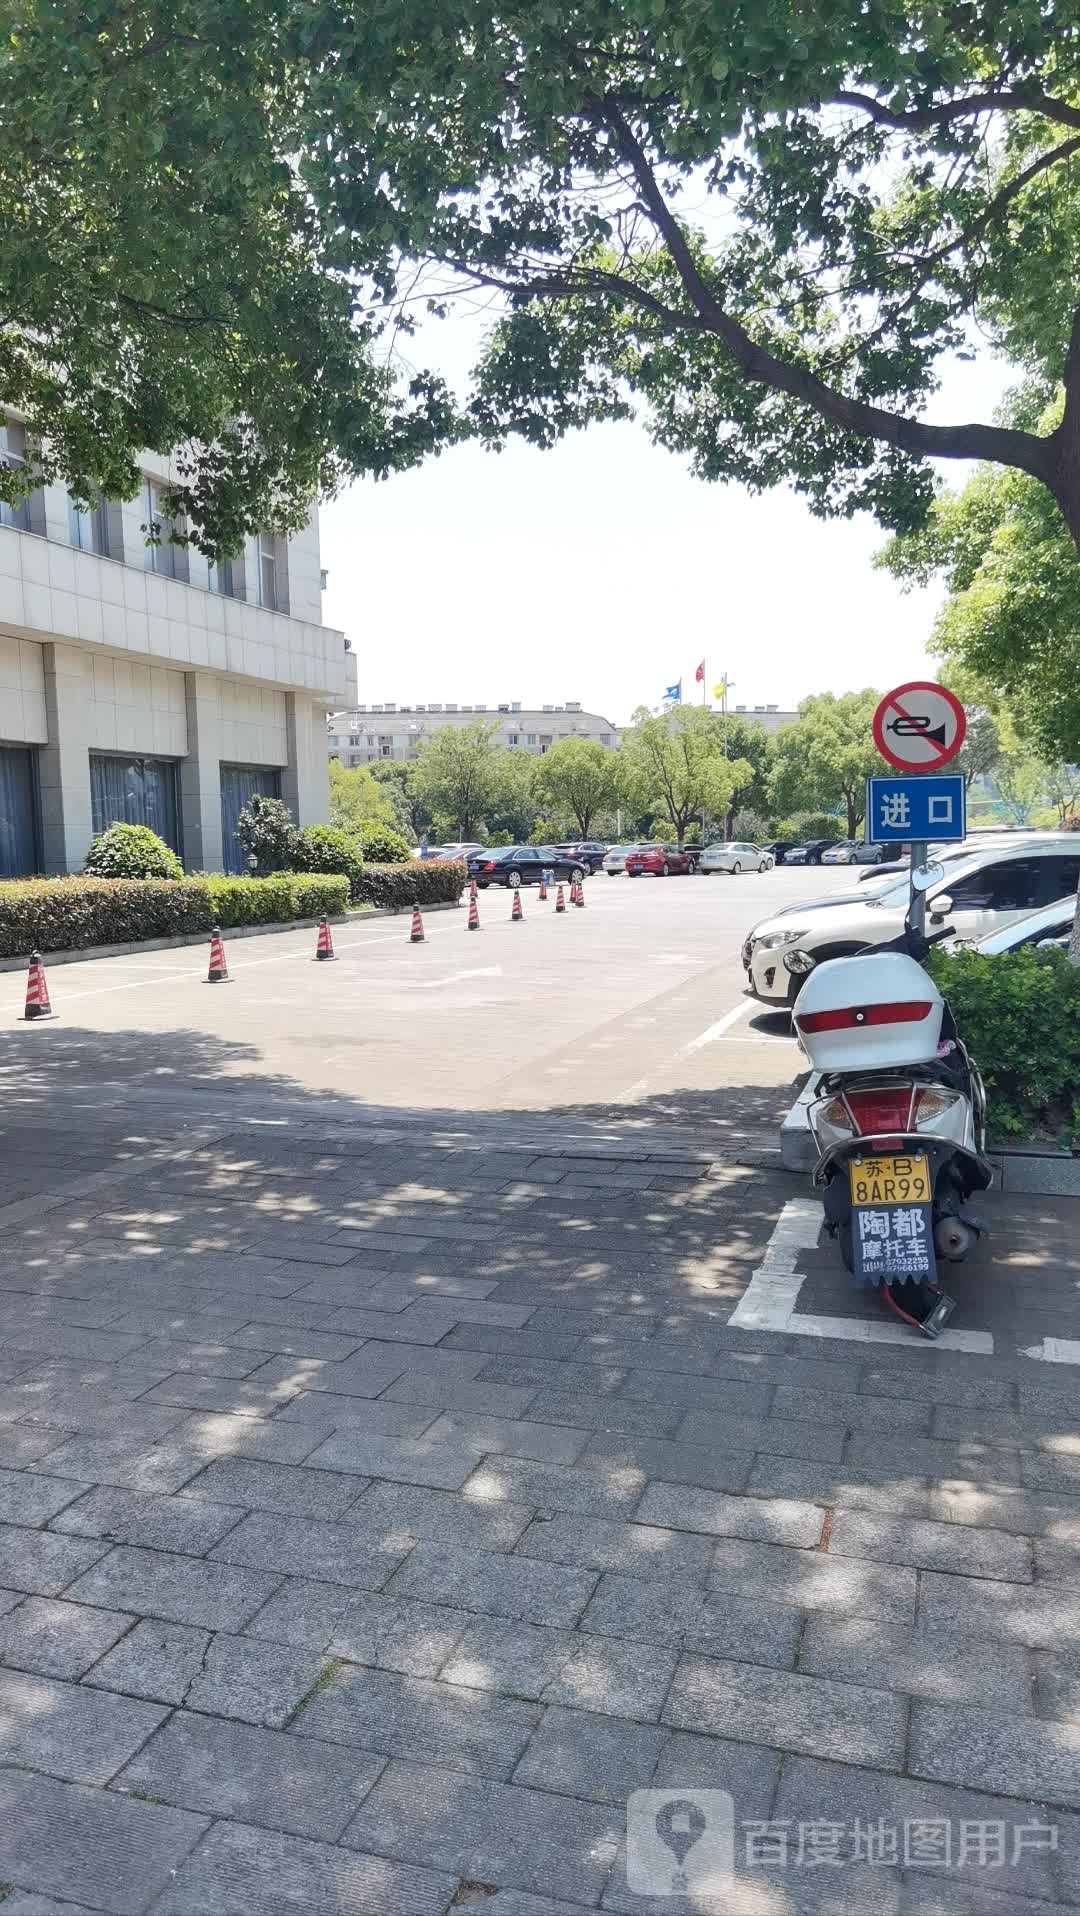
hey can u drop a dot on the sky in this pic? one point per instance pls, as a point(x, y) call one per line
point(603, 571)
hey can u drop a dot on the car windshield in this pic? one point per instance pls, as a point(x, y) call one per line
point(899, 893)
point(1050, 922)
point(621, 851)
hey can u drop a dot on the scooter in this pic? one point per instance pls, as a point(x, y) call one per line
point(899, 1120)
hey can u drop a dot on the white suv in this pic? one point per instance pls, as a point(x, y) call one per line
point(977, 894)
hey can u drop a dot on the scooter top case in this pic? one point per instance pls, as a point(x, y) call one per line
point(869, 1013)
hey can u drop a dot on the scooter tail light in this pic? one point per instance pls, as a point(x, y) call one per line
point(854, 1017)
point(836, 1114)
point(932, 1103)
point(884, 1110)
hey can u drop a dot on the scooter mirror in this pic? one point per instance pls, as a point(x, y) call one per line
point(798, 962)
point(924, 876)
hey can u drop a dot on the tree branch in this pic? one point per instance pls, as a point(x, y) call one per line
point(1002, 445)
point(923, 119)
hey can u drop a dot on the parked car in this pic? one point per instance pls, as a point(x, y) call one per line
point(976, 894)
point(463, 850)
point(735, 855)
point(590, 851)
point(811, 853)
point(779, 847)
point(515, 865)
point(842, 853)
point(614, 859)
point(662, 861)
point(1050, 926)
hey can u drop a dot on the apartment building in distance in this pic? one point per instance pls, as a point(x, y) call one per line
point(142, 683)
point(366, 733)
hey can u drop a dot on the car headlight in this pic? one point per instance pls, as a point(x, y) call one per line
point(775, 938)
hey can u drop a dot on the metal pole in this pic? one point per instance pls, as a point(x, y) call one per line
point(917, 906)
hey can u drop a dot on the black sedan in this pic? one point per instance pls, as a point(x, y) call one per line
point(516, 865)
point(808, 854)
point(779, 847)
point(589, 850)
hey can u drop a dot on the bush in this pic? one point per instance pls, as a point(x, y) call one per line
point(1019, 1015)
point(328, 848)
point(75, 914)
point(431, 881)
point(131, 851)
point(806, 825)
point(267, 833)
point(72, 914)
point(380, 844)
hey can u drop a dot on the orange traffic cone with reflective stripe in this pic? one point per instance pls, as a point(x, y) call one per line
point(218, 973)
point(324, 947)
point(577, 895)
point(542, 894)
point(517, 916)
point(581, 893)
point(560, 902)
point(472, 891)
point(37, 991)
point(474, 912)
point(416, 936)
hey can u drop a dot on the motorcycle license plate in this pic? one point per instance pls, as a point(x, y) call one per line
point(900, 1179)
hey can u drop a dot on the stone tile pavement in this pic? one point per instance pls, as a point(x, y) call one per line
point(380, 1506)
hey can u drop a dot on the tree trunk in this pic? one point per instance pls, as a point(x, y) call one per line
point(1074, 941)
point(852, 814)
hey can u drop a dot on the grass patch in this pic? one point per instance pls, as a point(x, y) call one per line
point(322, 1682)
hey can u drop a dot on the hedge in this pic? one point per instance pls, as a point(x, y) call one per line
point(429, 881)
point(1019, 1015)
point(74, 914)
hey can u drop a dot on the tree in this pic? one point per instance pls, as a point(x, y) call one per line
point(355, 795)
point(826, 757)
point(456, 770)
point(512, 804)
point(982, 748)
point(267, 831)
point(674, 763)
point(746, 739)
point(1012, 611)
point(167, 279)
point(397, 779)
point(579, 777)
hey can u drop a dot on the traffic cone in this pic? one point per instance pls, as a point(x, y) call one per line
point(474, 912)
point(517, 916)
point(577, 896)
point(560, 902)
point(581, 893)
point(416, 936)
point(324, 947)
point(472, 891)
point(543, 888)
point(37, 991)
point(218, 973)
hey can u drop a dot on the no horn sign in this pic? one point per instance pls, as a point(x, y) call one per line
point(919, 727)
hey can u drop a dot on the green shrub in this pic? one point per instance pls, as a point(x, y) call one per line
point(380, 844)
point(430, 881)
point(1019, 1015)
point(806, 825)
point(267, 833)
point(273, 901)
point(131, 851)
point(328, 848)
point(72, 914)
point(320, 895)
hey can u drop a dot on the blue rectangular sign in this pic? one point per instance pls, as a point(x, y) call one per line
point(930, 807)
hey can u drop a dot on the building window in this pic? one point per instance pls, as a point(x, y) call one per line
point(134, 791)
point(386, 748)
point(29, 514)
point(511, 738)
point(167, 559)
point(18, 812)
point(89, 526)
point(273, 576)
point(219, 577)
point(530, 738)
point(239, 785)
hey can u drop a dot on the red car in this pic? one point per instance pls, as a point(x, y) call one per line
point(662, 860)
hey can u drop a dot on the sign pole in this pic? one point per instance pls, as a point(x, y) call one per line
point(919, 727)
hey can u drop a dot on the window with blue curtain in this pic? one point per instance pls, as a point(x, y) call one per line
point(239, 784)
point(134, 791)
point(18, 835)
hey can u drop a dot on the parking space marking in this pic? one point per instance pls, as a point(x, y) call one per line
point(768, 1303)
point(1055, 1350)
point(712, 1032)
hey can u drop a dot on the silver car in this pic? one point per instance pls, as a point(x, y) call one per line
point(735, 855)
point(614, 860)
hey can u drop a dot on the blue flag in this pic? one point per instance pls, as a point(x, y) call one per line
point(674, 693)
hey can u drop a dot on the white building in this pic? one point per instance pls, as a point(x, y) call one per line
point(365, 733)
point(772, 718)
point(137, 682)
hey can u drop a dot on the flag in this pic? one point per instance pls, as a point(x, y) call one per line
point(674, 693)
point(699, 675)
point(719, 690)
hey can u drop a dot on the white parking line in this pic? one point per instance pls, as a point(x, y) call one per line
point(768, 1302)
point(1055, 1350)
point(712, 1032)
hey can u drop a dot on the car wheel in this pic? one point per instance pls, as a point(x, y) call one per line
point(613, 874)
point(513, 879)
point(736, 869)
point(665, 871)
point(815, 860)
point(763, 867)
point(577, 873)
point(691, 867)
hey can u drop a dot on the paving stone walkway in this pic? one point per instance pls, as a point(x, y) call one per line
point(380, 1507)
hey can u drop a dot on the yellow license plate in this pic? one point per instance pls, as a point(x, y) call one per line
point(903, 1179)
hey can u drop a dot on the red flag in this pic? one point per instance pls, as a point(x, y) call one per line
point(699, 675)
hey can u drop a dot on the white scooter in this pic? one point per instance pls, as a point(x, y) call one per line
point(899, 1121)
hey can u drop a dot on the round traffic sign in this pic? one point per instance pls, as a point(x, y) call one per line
point(919, 727)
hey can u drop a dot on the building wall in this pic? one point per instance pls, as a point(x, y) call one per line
point(103, 654)
point(364, 734)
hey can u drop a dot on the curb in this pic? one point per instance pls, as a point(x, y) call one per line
point(178, 943)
